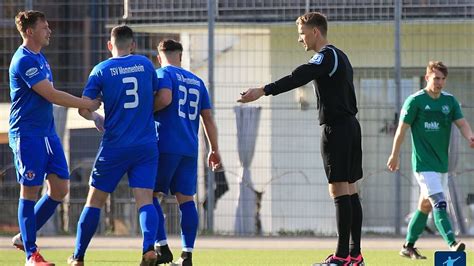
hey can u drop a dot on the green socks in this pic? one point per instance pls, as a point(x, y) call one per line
point(418, 223)
point(444, 226)
point(416, 226)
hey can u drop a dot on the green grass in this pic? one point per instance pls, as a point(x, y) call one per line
point(227, 257)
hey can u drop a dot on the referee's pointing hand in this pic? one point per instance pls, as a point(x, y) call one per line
point(251, 95)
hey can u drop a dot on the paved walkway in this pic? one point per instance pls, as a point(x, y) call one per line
point(206, 242)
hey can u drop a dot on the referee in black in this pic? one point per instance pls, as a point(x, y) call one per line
point(332, 76)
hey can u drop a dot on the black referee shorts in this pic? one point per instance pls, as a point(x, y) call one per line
point(341, 149)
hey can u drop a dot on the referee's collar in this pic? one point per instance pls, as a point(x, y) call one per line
point(325, 47)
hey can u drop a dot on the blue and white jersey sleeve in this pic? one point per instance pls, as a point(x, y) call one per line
point(156, 83)
point(164, 79)
point(150, 68)
point(31, 71)
point(93, 87)
point(30, 113)
point(205, 101)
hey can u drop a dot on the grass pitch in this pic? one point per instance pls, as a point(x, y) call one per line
point(223, 257)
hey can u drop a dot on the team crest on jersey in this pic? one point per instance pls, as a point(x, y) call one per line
point(29, 175)
point(316, 59)
point(31, 72)
point(445, 109)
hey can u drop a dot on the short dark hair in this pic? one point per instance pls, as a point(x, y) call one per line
point(169, 45)
point(27, 19)
point(438, 65)
point(315, 19)
point(123, 36)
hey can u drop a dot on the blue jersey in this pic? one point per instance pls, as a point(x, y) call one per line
point(126, 85)
point(30, 113)
point(179, 122)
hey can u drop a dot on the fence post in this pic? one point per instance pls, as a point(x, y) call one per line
point(398, 77)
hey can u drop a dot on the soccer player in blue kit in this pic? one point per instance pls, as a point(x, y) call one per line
point(127, 84)
point(182, 100)
point(36, 147)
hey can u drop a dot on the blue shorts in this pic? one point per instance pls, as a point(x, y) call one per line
point(36, 157)
point(177, 173)
point(111, 164)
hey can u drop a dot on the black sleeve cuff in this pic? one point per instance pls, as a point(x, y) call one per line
point(268, 89)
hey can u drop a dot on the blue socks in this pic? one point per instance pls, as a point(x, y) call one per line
point(148, 223)
point(31, 217)
point(86, 227)
point(161, 232)
point(27, 223)
point(189, 225)
point(89, 220)
point(44, 209)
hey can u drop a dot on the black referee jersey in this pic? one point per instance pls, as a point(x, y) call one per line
point(332, 77)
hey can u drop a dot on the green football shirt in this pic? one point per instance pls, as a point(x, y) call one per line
point(430, 121)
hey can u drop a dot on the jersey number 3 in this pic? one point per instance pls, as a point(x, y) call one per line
point(133, 92)
point(193, 103)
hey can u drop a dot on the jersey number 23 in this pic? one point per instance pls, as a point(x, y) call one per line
point(193, 103)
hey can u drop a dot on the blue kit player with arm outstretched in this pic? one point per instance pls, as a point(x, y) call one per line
point(127, 84)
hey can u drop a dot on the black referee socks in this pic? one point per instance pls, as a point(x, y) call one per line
point(344, 222)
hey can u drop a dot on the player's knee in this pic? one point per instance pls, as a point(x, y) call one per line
point(425, 206)
point(337, 189)
point(29, 193)
point(181, 198)
point(441, 205)
point(438, 201)
point(59, 193)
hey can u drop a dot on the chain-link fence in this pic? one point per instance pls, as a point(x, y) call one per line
point(255, 42)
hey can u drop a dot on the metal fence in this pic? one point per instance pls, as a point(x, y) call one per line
point(255, 43)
